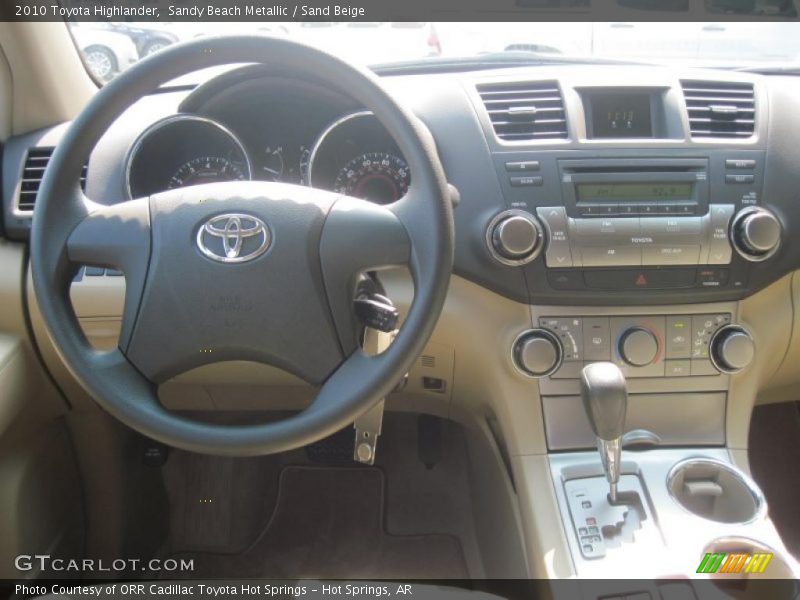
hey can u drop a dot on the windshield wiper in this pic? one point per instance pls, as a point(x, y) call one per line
point(495, 60)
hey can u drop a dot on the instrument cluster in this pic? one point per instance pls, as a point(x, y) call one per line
point(236, 138)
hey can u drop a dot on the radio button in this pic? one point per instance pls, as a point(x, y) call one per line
point(672, 225)
point(526, 181)
point(685, 209)
point(609, 209)
point(588, 210)
point(523, 165)
point(611, 256)
point(671, 255)
point(627, 209)
point(740, 178)
point(606, 228)
point(719, 254)
point(647, 208)
point(719, 248)
point(740, 163)
point(558, 252)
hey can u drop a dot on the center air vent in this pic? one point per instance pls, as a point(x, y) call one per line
point(720, 109)
point(525, 111)
point(32, 174)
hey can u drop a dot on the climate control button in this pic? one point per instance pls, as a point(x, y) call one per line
point(537, 352)
point(638, 346)
point(732, 349)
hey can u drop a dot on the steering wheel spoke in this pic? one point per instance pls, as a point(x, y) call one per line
point(358, 236)
point(117, 237)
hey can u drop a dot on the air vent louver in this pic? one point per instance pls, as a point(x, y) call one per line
point(32, 174)
point(720, 109)
point(525, 111)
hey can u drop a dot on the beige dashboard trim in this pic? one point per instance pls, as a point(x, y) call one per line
point(769, 315)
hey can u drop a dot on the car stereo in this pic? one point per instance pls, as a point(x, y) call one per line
point(636, 212)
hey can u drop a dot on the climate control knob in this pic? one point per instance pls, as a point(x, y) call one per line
point(638, 346)
point(732, 349)
point(537, 353)
point(756, 233)
point(515, 237)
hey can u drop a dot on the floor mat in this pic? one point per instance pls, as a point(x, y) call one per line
point(329, 523)
point(774, 458)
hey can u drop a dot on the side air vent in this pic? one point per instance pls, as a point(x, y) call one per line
point(525, 111)
point(719, 109)
point(32, 173)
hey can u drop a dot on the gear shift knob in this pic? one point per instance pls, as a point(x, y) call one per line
point(605, 399)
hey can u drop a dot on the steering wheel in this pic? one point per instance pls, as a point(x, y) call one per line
point(251, 271)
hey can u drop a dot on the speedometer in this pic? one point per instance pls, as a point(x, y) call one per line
point(206, 169)
point(375, 176)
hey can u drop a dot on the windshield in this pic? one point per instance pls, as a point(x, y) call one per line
point(109, 48)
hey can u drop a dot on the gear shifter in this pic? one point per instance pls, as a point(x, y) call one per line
point(605, 399)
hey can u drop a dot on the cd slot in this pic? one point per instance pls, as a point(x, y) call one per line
point(632, 165)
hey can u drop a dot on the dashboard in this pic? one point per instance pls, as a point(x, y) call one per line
point(580, 185)
point(607, 213)
point(616, 212)
point(268, 129)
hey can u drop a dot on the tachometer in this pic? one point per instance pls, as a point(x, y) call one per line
point(206, 169)
point(375, 176)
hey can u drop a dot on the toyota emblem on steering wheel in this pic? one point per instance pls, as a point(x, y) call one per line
point(233, 238)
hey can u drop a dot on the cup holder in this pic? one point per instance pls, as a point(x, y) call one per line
point(776, 567)
point(715, 490)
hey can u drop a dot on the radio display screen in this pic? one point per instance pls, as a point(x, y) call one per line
point(621, 116)
point(633, 192)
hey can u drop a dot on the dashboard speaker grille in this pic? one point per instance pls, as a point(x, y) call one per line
point(36, 162)
point(720, 109)
point(522, 111)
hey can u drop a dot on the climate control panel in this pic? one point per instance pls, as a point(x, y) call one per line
point(643, 346)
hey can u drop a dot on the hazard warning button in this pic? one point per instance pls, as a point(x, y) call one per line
point(639, 279)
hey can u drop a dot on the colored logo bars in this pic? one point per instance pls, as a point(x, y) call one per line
point(723, 562)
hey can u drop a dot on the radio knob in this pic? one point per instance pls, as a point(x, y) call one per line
point(756, 233)
point(516, 238)
point(638, 346)
point(732, 349)
point(537, 353)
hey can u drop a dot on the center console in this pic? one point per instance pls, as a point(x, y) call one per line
point(637, 234)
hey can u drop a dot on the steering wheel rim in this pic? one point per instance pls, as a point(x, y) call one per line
point(69, 230)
